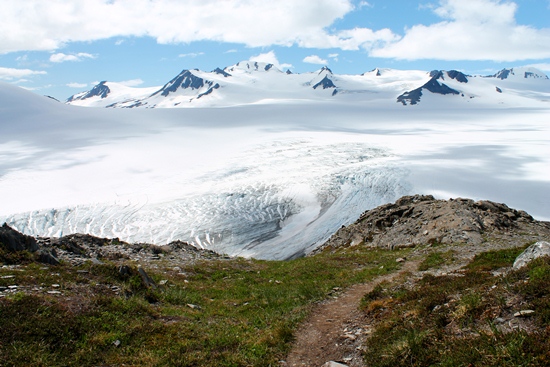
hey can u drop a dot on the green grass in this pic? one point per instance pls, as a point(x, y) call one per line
point(450, 320)
point(218, 313)
point(436, 260)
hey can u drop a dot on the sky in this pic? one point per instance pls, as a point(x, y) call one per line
point(62, 47)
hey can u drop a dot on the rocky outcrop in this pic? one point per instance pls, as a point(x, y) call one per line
point(78, 248)
point(533, 252)
point(13, 242)
point(416, 220)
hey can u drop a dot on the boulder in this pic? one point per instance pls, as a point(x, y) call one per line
point(532, 252)
point(13, 240)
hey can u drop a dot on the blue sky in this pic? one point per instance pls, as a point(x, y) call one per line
point(61, 47)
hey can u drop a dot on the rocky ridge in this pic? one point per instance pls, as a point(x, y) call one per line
point(416, 220)
point(75, 249)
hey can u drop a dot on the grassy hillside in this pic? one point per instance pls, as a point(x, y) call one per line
point(208, 313)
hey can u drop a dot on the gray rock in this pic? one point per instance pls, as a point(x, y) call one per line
point(147, 280)
point(533, 252)
point(334, 364)
point(47, 257)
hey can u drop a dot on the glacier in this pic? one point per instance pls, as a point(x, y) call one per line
point(270, 180)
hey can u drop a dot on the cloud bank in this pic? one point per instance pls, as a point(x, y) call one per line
point(468, 30)
point(11, 74)
point(471, 30)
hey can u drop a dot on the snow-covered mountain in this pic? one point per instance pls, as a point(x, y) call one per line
point(255, 82)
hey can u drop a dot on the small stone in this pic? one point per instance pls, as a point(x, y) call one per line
point(163, 282)
point(55, 285)
point(116, 343)
point(194, 307)
point(13, 286)
point(524, 313)
point(8, 276)
point(400, 260)
point(54, 292)
point(500, 320)
point(350, 336)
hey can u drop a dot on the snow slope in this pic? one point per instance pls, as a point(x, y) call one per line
point(269, 180)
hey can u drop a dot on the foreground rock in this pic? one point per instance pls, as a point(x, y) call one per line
point(416, 220)
point(533, 252)
point(13, 242)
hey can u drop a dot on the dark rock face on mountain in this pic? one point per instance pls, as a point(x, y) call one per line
point(100, 90)
point(325, 83)
point(324, 68)
point(503, 74)
point(209, 91)
point(185, 80)
point(416, 220)
point(221, 72)
point(434, 86)
point(439, 88)
point(529, 74)
point(458, 76)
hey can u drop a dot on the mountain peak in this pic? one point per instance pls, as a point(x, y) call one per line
point(325, 68)
point(250, 66)
point(185, 80)
point(99, 90)
point(520, 73)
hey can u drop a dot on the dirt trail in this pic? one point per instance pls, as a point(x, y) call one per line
point(334, 330)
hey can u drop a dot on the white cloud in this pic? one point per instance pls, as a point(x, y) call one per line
point(131, 83)
point(192, 54)
point(231, 51)
point(77, 85)
point(48, 25)
point(10, 74)
point(471, 30)
point(364, 4)
point(314, 59)
point(333, 56)
point(270, 58)
point(61, 57)
point(544, 67)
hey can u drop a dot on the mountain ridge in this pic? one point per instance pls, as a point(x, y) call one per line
point(253, 82)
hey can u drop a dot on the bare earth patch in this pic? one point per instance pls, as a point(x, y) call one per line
point(335, 330)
